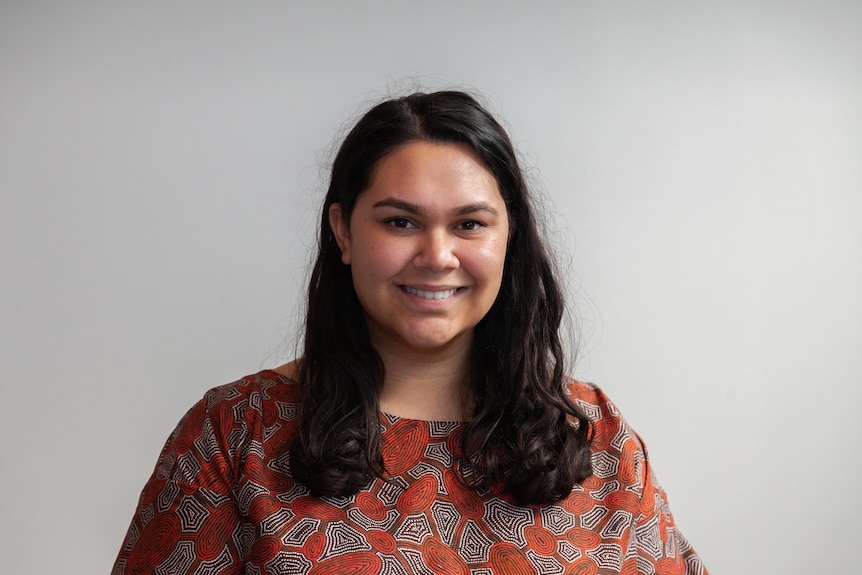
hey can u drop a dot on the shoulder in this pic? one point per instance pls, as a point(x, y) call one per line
point(592, 400)
point(245, 405)
point(624, 484)
point(230, 416)
point(251, 390)
point(617, 449)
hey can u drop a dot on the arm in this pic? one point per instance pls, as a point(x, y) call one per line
point(652, 543)
point(187, 515)
point(658, 540)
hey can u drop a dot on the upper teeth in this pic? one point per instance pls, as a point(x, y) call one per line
point(442, 294)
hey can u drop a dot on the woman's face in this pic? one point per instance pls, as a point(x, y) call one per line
point(426, 244)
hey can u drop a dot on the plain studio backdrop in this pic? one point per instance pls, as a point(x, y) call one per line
point(162, 166)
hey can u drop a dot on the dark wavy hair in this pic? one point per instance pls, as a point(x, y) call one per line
point(524, 433)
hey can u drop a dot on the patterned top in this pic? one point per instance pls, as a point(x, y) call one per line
point(221, 500)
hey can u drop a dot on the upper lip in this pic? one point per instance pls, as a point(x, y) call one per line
point(429, 288)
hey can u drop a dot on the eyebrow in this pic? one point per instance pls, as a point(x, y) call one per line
point(417, 210)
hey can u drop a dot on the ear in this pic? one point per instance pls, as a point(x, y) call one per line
point(341, 230)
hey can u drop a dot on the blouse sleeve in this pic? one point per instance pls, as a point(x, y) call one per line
point(187, 518)
point(661, 546)
point(624, 485)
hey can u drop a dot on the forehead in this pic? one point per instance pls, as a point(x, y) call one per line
point(433, 173)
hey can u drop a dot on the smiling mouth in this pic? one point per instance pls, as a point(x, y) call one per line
point(440, 294)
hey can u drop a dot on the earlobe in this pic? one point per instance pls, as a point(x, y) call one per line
point(341, 231)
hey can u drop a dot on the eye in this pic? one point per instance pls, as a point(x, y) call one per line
point(400, 223)
point(470, 225)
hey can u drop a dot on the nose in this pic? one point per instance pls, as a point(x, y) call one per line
point(437, 251)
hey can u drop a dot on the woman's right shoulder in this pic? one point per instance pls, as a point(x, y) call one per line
point(279, 384)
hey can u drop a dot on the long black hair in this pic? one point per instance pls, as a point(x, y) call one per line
point(524, 431)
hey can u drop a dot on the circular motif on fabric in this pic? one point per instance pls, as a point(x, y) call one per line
point(255, 469)
point(578, 503)
point(443, 560)
point(453, 442)
point(382, 541)
point(215, 473)
point(592, 483)
point(418, 497)
point(370, 506)
point(252, 419)
point(314, 546)
point(278, 481)
point(270, 412)
point(361, 563)
point(583, 538)
point(466, 500)
point(187, 488)
point(647, 502)
point(604, 430)
point(211, 538)
point(583, 567)
point(622, 500)
point(262, 507)
point(157, 540)
point(403, 445)
point(279, 441)
point(313, 507)
point(540, 539)
point(507, 558)
point(263, 549)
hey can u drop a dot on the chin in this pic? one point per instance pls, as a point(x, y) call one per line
point(435, 343)
point(419, 337)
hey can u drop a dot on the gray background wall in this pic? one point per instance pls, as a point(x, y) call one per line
point(161, 170)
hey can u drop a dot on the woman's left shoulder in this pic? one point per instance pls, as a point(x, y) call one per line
point(610, 431)
point(623, 482)
point(591, 399)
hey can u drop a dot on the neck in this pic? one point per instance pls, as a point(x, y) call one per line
point(432, 387)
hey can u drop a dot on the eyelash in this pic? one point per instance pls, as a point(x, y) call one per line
point(474, 225)
point(405, 224)
point(394, 222)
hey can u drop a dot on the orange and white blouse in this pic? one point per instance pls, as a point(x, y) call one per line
point(222, 501)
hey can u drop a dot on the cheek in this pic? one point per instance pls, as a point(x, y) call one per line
point(378, 260)
point(486, 265)
point(492, 256)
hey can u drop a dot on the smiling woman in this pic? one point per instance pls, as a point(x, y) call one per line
point(428, 426)
point(426, 243)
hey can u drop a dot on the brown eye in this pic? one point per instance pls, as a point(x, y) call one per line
point(401, 223)
point(470, 225)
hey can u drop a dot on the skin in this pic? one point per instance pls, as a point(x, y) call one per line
point(426, 244)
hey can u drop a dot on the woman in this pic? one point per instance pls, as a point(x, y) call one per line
point(428, 427)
